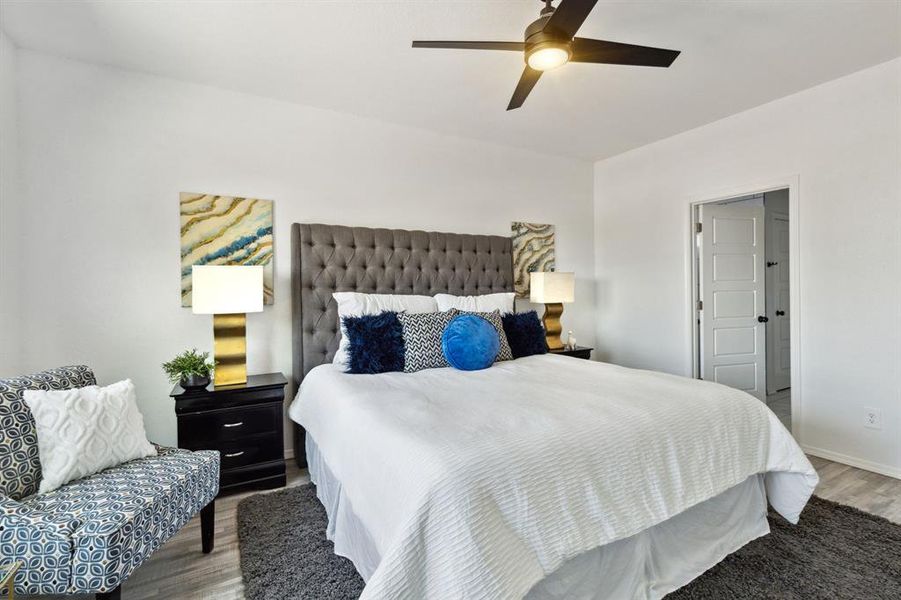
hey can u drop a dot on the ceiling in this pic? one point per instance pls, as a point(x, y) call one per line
point(355, 57)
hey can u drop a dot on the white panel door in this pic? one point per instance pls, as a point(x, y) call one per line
point(778, 328)
point(733, 338)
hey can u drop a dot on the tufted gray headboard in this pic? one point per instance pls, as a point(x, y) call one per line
point(334, 258)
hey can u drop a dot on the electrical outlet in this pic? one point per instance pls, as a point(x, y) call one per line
point(872, 418)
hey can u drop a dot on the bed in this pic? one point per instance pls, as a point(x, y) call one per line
point(541, 477)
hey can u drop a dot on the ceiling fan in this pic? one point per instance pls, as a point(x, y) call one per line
point(550, 42)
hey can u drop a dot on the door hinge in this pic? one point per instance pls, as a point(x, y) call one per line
point(700, 305)
point(698, 227)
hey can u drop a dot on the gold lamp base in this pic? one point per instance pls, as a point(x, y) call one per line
point(230, 349)
point(552, 326)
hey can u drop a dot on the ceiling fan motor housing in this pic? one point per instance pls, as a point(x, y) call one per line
point(537, 37)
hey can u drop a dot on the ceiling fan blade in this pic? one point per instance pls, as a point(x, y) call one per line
point(526, 82)
point(569, 16)
point(520, 46)
point(615, 53)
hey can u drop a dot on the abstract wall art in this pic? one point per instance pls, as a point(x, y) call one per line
point(533, 250)
point(224, 230)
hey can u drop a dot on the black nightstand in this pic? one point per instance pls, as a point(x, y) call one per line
point(577, 352)
point(243, 422)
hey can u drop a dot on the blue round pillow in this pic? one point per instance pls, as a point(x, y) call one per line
point(470, 343)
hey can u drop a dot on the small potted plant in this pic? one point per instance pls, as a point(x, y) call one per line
point(190, 369)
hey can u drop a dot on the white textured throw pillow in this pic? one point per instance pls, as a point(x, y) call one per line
point(86, 430)
point(485, 303)
point(358, 304)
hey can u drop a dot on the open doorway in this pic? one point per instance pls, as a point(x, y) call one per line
point(742, 291)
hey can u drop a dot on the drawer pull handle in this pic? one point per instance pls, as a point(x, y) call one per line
point(238, 424)
point(234, 454)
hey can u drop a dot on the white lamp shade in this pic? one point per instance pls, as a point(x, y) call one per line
point(549, 287)
point(224, 290)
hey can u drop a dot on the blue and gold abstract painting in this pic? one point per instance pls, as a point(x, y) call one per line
point(224, 230)
point(533, 251)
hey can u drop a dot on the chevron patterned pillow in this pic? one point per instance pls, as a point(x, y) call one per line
point(422, 339)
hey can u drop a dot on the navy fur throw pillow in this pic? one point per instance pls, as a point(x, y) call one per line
point(376, 343)
point(524, 333)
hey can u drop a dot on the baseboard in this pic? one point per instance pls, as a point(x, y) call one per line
point(289, 453)
point(860, 463)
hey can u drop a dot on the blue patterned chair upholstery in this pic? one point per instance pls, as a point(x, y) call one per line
point(89, 535)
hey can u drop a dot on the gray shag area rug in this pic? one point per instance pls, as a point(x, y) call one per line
point(835, 552)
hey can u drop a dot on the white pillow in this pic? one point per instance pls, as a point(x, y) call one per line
point(86, 430)
point(357, 304)
point(485, 303)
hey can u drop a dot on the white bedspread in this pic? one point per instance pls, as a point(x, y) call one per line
point(480, 484)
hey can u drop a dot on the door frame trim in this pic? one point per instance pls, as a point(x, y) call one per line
point(771, 283)
point(793, 184)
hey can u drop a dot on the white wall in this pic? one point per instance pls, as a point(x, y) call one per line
point(843, 140)
point(105, 153)
point(10, 348)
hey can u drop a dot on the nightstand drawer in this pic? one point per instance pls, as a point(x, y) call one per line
point(251, 474)
point(232, 424)
point(248, 451)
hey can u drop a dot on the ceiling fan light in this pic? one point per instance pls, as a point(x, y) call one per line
point(548, 57)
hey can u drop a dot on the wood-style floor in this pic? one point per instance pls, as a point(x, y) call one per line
point(178, 570)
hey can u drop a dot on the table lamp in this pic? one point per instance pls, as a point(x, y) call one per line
point(552, 289)
point(227, 293)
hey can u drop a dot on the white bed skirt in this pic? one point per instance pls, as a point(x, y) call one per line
point(649, 564)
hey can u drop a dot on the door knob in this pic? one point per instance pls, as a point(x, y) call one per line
point(780, 313)
point(762, 319)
